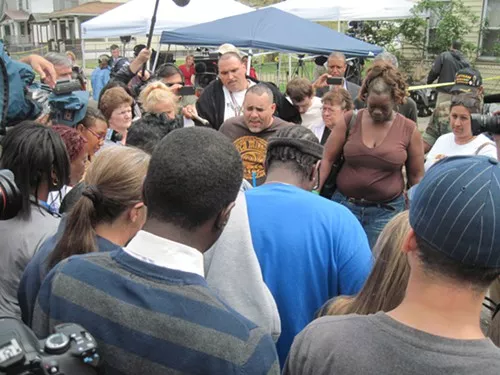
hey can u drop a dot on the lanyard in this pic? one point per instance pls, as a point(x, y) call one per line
point(236, 107)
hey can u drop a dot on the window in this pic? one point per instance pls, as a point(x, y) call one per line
point(490, 36)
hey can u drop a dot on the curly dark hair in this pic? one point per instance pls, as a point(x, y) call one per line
point(383, 78)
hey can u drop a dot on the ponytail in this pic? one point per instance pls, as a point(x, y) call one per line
point(113, 184)
point(79, 233)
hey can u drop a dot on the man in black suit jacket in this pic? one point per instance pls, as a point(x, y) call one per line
point(337, 66)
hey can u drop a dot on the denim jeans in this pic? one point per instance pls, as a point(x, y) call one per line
point(372, 218)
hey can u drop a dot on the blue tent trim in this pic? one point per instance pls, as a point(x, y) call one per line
point(270, 29)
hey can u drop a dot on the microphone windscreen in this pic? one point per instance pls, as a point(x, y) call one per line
point(181, 3)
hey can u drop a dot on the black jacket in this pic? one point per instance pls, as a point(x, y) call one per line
point(445, 67)
point(210, 104)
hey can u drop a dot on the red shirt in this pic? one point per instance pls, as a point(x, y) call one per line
point(188, 73)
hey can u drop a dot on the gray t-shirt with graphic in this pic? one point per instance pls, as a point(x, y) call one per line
point(378, 344)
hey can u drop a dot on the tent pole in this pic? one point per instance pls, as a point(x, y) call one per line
point(83, 54)
point(249, 62)
point(157, 57)
point(279, 70)
point(289, 66)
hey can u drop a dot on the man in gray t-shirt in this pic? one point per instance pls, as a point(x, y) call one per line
point(453, 253)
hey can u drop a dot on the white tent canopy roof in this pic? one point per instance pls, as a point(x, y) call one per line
point(134, 17)
point(351, 10)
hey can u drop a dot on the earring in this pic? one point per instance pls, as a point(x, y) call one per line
point(55, 181)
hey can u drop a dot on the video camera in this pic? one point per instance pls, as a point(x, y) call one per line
point(485, 124)
point(10, 196)
point(40, 93)
point(70, 350)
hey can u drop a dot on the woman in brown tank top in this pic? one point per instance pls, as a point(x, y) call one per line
point(379, 143)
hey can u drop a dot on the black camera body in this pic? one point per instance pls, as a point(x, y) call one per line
point(485, 124)
point(11, 201)
point(70, 350)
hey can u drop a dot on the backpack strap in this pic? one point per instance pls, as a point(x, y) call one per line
point(483, 146)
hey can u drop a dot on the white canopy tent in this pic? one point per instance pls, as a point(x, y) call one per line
point(134, 17)
point(351, 10)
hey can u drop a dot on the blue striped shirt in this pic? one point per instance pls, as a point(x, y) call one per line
point(150, 319)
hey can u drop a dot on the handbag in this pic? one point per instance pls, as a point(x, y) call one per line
point(330, 184)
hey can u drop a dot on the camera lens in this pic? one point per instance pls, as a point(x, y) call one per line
point(10, 196)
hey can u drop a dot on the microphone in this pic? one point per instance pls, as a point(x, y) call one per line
point(200, 119)
point(181, 3)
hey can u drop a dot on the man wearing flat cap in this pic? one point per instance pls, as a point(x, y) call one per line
point(453, 252)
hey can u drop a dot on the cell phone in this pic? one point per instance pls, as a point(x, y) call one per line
point(186, 90)
point(336, 81)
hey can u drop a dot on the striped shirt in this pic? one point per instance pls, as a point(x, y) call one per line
point(151, 320)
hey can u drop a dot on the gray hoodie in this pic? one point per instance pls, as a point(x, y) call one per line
point(233, 271)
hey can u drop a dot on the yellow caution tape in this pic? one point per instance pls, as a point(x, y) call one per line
point(41, 49)
point(432, 85)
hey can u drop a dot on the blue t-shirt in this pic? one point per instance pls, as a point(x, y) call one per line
point(310, 249)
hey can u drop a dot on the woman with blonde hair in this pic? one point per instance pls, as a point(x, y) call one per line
point(156, 97)
point(106, 217)
point(161, 110)
point(385, 287)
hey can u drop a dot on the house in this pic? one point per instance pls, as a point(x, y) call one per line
point(64, 25)
point(487, 36)
point(25, 23)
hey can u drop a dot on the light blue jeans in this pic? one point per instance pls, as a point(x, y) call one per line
point(372, 218)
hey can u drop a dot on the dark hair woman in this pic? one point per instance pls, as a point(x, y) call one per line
point(107, 215)
point(37, 156)
point(380, 143)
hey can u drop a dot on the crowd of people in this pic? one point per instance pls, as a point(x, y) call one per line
point(246, 230)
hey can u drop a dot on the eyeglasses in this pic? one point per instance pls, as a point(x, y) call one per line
point(99, 137)
point(327, 109)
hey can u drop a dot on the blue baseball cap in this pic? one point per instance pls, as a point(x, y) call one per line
point(456, 209)
point(69, 109)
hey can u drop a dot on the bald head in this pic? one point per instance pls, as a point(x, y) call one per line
point(337, 64)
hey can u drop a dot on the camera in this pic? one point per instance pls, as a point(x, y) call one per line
point(336, 81)
point(70, 350)
point(10, 197)
point(485, 123)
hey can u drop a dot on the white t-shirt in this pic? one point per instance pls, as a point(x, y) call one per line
point(445, 146)
point(318, 129)
point(313, 117)
point(233, 101)
point(56, 197)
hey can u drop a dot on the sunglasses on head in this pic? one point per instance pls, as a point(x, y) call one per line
point(468, 102)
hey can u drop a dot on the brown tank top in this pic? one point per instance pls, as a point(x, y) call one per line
point(375, 174)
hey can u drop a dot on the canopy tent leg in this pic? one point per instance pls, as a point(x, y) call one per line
point(83, 53)
point(157, 57)
point(249, 62)
point(289, 66)
point(278, 80)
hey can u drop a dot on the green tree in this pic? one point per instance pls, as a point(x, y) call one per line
point(449, 20)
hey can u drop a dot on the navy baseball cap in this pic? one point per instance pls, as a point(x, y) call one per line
point(69, 109)
point(467, 80)
point(456, 209)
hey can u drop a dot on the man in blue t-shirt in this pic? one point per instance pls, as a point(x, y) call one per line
point(310, 249)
